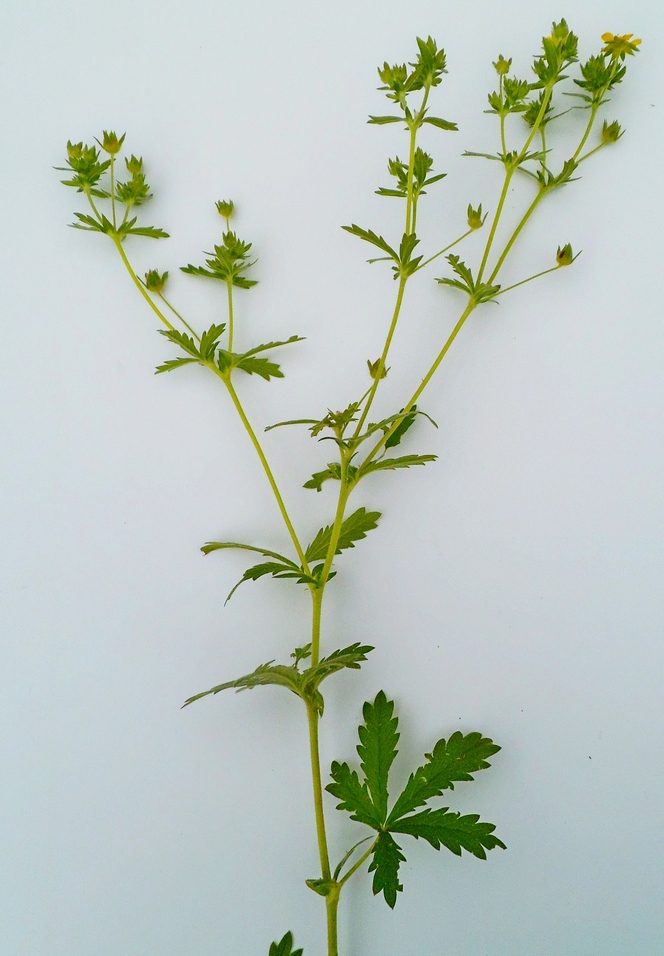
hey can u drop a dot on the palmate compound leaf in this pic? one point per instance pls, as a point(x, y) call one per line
point(450, 761)
point(354, 528)
point(284, 947)
point(304, 683)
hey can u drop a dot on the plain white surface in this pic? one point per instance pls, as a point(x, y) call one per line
point(512, 587)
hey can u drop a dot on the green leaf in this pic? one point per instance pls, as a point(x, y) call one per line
point(441, 123)
point(277, 569)
point(386, 859)
point(316, 481)
point(345, 657)
point(378, 748)
point(369, 236)
point(451, 761)
point(89, 224)
point(274, 345)
point(354, 528)
point(185, 341)
point(389, 464)
point(209, 341)
point(284, 947)
point(442, 827)
point(259, 366)
point(354, 796)
point(150, 231)
point(219, 545)
point(170, 364)
point(282, 675)
point(382, 120)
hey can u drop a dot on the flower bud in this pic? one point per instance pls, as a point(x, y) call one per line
point(502, 66)
point(565, 256)
point(154, 282)
point(611, 132)
point(225, 208)
point(111, 143)
point(475, 220)
point(373, 369)
point(134, 165)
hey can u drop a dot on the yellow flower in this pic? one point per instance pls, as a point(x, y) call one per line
point(618, 46)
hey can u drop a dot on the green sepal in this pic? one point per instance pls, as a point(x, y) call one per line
point(284, 947)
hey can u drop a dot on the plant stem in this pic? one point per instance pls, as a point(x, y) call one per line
point(264, 462)
point(115, 223)
point(446, 249)
point(526, 216)
point(312, 715)
point(383, 359)
point(358, 863)
point(139, 285)
point(425, 381)
point(229, 286)
point(175, 312)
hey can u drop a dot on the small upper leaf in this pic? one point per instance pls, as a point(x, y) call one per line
point(354, 528)
point(284, 947)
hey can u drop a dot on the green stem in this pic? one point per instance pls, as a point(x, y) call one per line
point(509, 172)
point(312, 716)
point(332, 907)
point(264, 462)
point(229, 286)
point(523, 281)
point(383, 358)
point(181, 318)
point(446, 249)
point(502, 116)
point(139, 285)
point(425, 381)
point(365, 856)
point(115, 224)
point(516, 232)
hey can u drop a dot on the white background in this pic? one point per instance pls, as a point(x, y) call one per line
point(513, 587)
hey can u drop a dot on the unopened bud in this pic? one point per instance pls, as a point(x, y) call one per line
point(502, 66)
point(565, 256)
point(225, 208)
point(373, 369)
point(111, 143)
point(134, 165)
point(611, 132)
point(475, 219)
point(154, 281)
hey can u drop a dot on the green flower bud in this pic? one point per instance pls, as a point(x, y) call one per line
point(502, 66)
point(611, 132)
point(565, 256)
point(134, 165)
point(475, 219)
point(110, 142)
point(225, 208)
point(373, 369)
point(154, 282)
